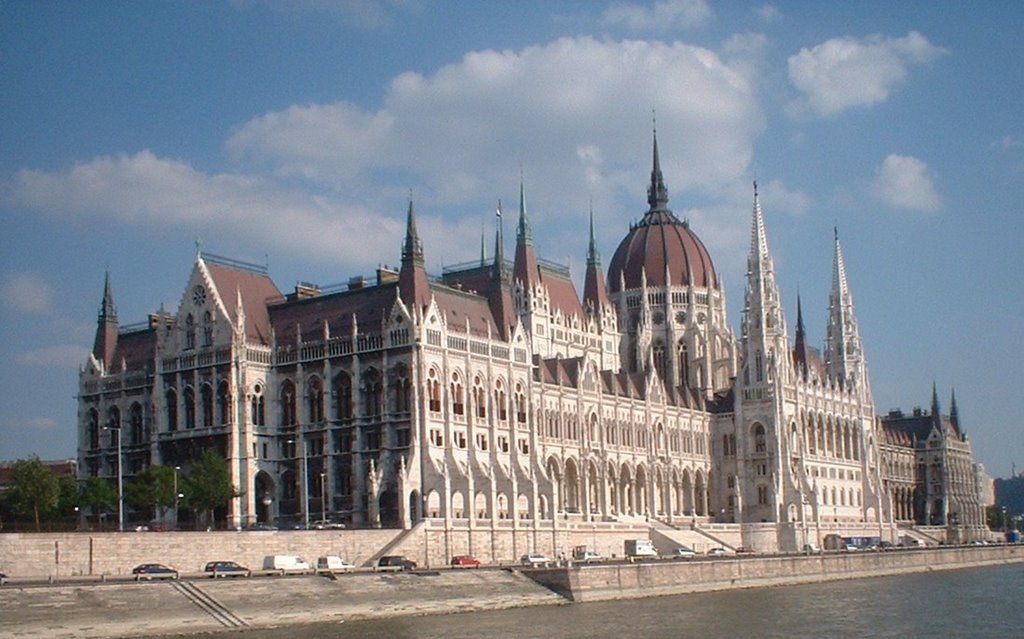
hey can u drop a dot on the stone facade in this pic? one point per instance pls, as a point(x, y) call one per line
point(495, 398)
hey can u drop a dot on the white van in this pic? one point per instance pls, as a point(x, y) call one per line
point(333, 563)
point(286, 563)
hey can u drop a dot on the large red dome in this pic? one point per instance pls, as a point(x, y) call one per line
point(660, 245)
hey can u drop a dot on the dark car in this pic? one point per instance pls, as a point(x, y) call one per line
point(227, 569)
point(745, 550)
point(261, 525)
point(395, 563)
point(465, 561)
point(154, 571)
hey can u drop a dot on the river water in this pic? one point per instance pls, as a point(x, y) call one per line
point(975, 602)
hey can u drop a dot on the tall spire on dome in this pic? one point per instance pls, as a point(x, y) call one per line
point(657, 193)
point(954, 414)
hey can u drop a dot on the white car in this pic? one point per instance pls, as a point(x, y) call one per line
point(534, 560)
point(333, 563)
point(683, 552)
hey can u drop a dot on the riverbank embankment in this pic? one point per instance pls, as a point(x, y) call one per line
point(113, 610)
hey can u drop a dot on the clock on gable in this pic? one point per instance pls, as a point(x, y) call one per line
point(199, 295)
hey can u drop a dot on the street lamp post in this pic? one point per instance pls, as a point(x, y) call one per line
point(323, 496)
point(177, 469)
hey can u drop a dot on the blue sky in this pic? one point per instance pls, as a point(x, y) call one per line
point(291, 133)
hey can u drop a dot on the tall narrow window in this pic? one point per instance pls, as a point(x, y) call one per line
point(190, 332)
point(402, 389)
point(171, 398)
point(288, 416)
point(500, 401)
point(434, 391)
point(207, 328)
point(190, 407)
point(343, 396)
point(759, 439)
point(479, 398)
point(374, 392)
point(258, 406)
point(223, 403)
point(316, 400)
point(458, 401)
point(135, 422)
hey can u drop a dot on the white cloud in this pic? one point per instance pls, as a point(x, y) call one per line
point(61, 356)
point(1005, 143)
point(849, 72)
point(28, 292)
point(666, 14)
point(30, 424)
point(777, 197)
point(769, 13)
point(906, 182)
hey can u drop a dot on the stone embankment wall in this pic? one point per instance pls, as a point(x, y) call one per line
point(625, 581)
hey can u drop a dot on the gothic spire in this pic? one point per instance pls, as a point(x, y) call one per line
point(105, 343)
point(595, 293)
point(801, 352)
point(525, 268)
point(412, 277)
point(657, 194)
point(412, 248)
point(844, 356)
point(954, 414)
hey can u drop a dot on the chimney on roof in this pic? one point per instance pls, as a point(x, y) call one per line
point(356, 282)
point(386, 275)
point(305, 291)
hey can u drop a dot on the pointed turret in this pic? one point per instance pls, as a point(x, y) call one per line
point(525, 268)
point(105, 343)
point(844, 358)
point(412, 277)
point(499, 297)
point(763, 326)
point(595, 295)
point(801, 352)
point(954, 414)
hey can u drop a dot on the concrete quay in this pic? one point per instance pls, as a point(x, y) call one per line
point(192, 605)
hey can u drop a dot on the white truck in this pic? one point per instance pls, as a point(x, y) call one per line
point(640, 549)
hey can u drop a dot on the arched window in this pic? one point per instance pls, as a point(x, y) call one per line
point(207, 329)
point(113, 422)
point(458, 401)
point(520, 400)
point(190, 332)
point(373, 392)
point(190, 407)
point(258, 406)
point(171, 398)
point(403, 389)
point(500, 401)
point(223, 403)
point(760, 445)
point(479, 398)
point(135, 426)
point(762, 495)
point(206, 395)
point(93, 427)
point(288, 416)
point(659, 358)
point(433, 391)
point(316, 400)
point(343, 396)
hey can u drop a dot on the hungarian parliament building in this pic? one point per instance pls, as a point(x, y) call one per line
point(495, 397)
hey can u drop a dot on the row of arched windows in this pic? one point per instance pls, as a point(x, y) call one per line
point(190, 330)
point(826, 437)
point(134, 430)
point(213, 408)
point(374, 399)
point(478, 394)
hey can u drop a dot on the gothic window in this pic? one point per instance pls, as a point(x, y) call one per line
point(135, 426)
point(206, 397)
point(760, 445)
point(592, 428)
point(288, 412)
point(207, 329)
point(343, 396)
point(659, 358)
point(258, 406)
point(458, 401)
point(479, 398)
point(500, 401)
point(684, 364)
point(223, 403)
point(374, 392)
point(762, 495)
point(94, 429)
point(113, 422)
point(190, 332)
point(190, 407)
point(171, 397)
point(520, 400)
point(758, 367)
point(433, 391)
point(403, 389)
point(316, 400)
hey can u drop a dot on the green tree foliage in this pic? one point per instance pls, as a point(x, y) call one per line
point(151, 489)
point(34, 489)
point(207, 485)
point(99, 495)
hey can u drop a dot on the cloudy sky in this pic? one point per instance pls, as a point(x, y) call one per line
point(291, 134)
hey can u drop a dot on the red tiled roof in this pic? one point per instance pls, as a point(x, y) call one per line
point(658, 243)
point(460, 307)
point(256, 288)
point(369, 308)
point(562, 292)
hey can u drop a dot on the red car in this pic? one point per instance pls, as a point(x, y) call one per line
point(465, 561)
point(745, 550)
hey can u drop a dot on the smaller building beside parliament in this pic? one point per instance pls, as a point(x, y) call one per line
point(494, 401)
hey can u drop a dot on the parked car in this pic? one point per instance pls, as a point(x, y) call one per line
point(811, 549)
point(683, 552)
point(534, 560)
point(154, 571)
point(745, 550)
point(395, 563)
point(261, 526)
point(465, 561)
point(586, 556)
point(226, 569)
point(326, 524)
point(717, 551)
point(333, 563)
point(286, 563)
